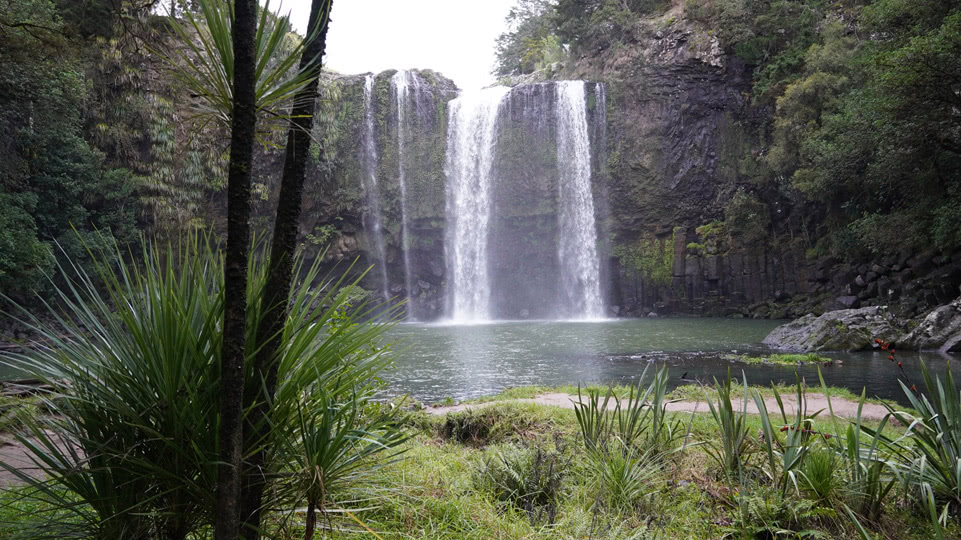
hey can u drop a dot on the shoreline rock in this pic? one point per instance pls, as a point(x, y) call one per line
point(849, 330)
point(939, 330)
point(841, 330)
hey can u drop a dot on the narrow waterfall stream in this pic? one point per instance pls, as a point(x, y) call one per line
point(374, 219)
point(470, 156)
point(400, 85)
point(577, 233)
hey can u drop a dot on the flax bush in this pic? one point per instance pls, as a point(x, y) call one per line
point(132, 353)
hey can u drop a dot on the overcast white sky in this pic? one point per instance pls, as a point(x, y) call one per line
point(454, 37)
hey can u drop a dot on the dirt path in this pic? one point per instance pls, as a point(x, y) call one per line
point(842, 407)
point(17, 456)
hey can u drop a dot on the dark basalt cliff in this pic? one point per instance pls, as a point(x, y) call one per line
point(682, 137)
point(670, 128)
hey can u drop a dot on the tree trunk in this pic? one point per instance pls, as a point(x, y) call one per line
point(311, 522)
point(242, 133)
point(283, 246)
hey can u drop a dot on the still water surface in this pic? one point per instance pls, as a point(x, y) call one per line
point(435, 361)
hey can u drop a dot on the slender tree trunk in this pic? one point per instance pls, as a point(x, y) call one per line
point(283, 246)
point(242, 133)
point(311, 522)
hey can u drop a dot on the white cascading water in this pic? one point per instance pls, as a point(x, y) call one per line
point(400, 84)
point(471, 135)
point(375, 220)
point(577, 234)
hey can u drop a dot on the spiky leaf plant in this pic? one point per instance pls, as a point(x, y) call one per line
point(785, 457)
point(731, 449)
point(639, 420)
point(131, 351)
point(867, 477)
point(203, 62)
point(932, 464)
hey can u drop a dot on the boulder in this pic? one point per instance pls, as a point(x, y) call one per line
point(939, 330)
point(842, 302)
point(848, 301)
point(841, 330)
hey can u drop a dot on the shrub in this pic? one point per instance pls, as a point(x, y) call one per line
point(486, 425)
point(731, 450)
point(640, 420)
point(767, 513)
point(130, 446)
point(530, 479)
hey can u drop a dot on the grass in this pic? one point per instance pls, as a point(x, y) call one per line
point(433, 493)
point(783, 359)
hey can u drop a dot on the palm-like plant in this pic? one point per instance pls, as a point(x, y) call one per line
point(933, 463)
point(336, 444)
point(205, 63)
point(132, 351)
point(786, 457)
point(133, 364)
point(734, 441)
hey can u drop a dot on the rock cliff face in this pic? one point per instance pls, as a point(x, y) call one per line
point(666, 127)
point(679, 119)
point(338, 207)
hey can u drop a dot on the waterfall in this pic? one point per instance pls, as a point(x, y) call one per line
point(400, 84)
point(577, 234)
point(374, 220)
point(470, 156)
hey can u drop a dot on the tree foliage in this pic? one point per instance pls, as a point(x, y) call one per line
point(865, 140)
point(530, 42)
point(53, 181)
point(871, 128)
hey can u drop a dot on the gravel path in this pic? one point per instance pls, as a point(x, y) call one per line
point(842, 407)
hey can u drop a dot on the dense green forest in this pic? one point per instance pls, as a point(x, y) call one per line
point(90, 139)
point(862, 137)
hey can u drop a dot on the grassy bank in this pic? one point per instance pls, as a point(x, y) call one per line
point(521, 471)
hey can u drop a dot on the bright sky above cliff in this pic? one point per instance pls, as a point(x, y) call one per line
point(454, 37)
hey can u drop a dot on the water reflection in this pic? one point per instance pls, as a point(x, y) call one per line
point(439, 361)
